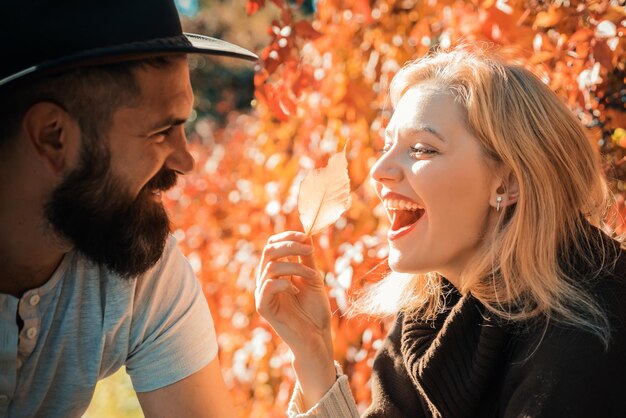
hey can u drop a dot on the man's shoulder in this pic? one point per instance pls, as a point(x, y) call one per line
point(171, 278)
point(166, 288)
point(170, 273)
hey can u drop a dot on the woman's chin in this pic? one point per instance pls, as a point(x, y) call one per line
point(406, 266)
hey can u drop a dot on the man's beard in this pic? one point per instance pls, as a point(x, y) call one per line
point(99, 216)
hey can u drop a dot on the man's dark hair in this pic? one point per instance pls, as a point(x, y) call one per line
point(90, 94)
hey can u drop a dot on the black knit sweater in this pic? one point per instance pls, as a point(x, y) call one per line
point(466, 364)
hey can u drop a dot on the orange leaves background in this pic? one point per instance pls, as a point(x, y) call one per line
point(323, 79)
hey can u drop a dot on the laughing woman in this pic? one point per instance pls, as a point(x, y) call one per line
point(515, 301)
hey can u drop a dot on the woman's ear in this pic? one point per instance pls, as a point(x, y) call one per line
point(53, 134)
point(512, 187)
point(505, 190)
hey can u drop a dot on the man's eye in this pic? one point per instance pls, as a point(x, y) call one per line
point(162, 135)
point(167, 131)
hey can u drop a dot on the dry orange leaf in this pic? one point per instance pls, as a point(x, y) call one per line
point(324, 194)
point(548, 18)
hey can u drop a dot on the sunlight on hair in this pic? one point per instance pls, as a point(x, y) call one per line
point(391, 293)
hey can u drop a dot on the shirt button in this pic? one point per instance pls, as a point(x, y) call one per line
point(4, 399)
point(31, 332)
point(34, 300)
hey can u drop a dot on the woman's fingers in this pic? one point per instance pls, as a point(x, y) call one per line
point(284, 268)
point(268, 290)
point(307, 258)
point(282, 249)
point(287, 236)
point(275, 258)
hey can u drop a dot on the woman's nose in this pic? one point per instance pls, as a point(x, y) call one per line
point(386, 169)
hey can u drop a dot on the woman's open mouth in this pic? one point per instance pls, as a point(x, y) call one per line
point(404, 216)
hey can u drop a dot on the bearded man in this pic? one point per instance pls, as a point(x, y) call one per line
point(93, 98)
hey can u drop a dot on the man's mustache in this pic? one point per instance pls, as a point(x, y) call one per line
point(164, 180)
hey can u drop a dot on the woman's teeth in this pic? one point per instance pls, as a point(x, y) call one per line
point(402, 213)
point(397, 204)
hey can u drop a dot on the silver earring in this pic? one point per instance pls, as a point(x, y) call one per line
point(498, 200)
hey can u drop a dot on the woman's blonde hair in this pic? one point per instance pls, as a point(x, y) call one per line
point(525, 269)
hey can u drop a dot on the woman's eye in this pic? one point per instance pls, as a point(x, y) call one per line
point(420, 150)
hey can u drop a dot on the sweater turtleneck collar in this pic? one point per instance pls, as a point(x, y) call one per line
point(452, 360)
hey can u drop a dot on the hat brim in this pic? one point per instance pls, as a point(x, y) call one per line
point(206, 44)
point(185, 43)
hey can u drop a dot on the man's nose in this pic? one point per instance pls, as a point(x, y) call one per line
point(180, 160)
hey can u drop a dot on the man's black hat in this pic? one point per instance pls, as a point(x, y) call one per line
point(41, 36)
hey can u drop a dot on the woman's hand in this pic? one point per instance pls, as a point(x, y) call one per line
point(291, 296)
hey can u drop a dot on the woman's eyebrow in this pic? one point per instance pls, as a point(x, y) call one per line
point(419, 129)
point(430, 129)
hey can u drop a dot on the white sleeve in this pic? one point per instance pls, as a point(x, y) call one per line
point(338, 402)
point(172, 334)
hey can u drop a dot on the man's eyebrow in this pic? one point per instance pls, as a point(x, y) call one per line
point(172, 121)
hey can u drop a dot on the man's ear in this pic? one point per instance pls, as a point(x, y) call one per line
point(507, 187)
point(53, 133)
